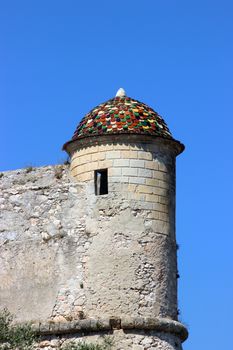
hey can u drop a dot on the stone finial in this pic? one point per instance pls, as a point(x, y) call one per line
point(121, 93)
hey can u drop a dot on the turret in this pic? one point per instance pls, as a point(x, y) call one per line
point(124, 155)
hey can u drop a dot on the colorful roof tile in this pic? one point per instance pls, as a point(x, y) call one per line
point(119, 115)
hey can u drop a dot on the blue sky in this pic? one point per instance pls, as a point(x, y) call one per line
point(58, 59)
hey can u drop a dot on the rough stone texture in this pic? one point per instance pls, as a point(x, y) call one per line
point(42, 243)
point(137, 220)
point(67, 254)
point(122, 340)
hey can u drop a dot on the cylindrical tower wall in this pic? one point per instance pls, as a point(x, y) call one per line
point(131, 267)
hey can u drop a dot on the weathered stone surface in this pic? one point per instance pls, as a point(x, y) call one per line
point(131, 339)
point(78, 262)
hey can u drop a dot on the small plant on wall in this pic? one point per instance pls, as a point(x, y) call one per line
point(15, 337)
point(23, 337)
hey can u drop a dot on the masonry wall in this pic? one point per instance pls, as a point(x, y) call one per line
point(121, 340)
point(144, 173)
point(142, 189)
point(68, 255)
point(43, 243)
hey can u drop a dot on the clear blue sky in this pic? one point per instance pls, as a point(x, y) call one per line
point(58, 59)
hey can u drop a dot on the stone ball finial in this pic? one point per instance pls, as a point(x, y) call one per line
point(120, 93)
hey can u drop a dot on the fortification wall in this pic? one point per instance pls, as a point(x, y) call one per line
point(67, 256)
point(43, 243)
point(141, 175)
point(144, 173)
point(66, 252)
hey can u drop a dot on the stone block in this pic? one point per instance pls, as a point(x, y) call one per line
point(65, 327)
point(160, 207)
point(103, 323)
point(118, 179)
point(44, 328)
point(85, 176)
point(121, 163)
point(136, 196)
point(152, 182)
point(162, 167)
point(136, 180)
point(127, 322)
point(159, 191)
point(98, 156)
point(144, 205)
point(77, 171)
point(90, 149)
point(85, 324)
point(160, 175)
point(138, 322)
point(129, 154)
point(153, 215)
point(75, 162)
point(164, 200)
point(137, 163)
point(146, 189)
point(153, 165)
point(130, 171)
point(152, 198)
point(113, 155)
point(105, 164)
point(92, 166)
point(164, 216)
point(84, 159)
point(114, 172)
point(164, 184)
point(145, 172)
point(132, 187)
point(144, 155)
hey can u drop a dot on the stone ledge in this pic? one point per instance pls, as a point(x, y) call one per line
point(157, 324)
point(125, 138)
point(126, 323)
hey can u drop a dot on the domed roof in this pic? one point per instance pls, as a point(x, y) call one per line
point(119, 115)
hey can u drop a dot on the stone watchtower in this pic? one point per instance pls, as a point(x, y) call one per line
point(124, 155)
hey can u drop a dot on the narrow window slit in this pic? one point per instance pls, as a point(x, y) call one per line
point(101, 182)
